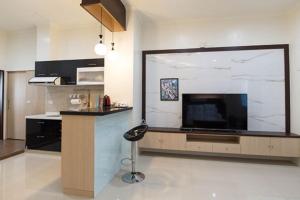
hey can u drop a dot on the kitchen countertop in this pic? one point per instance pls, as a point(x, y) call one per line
point(44, 116)
point(96, 111)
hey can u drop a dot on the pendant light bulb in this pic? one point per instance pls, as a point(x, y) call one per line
point(100, 48)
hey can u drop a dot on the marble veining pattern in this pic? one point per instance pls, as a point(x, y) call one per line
point(258, 73)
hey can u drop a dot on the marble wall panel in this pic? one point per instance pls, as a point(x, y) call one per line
point(258, 73)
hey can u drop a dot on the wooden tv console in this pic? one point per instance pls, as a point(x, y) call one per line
point(266, 144)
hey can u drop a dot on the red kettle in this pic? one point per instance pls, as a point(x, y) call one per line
point(106, 101)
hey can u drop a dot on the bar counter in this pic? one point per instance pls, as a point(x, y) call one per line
point(92, 142)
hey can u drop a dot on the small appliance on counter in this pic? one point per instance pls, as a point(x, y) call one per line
point(106, 101)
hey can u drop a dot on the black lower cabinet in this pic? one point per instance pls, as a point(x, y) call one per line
point(43, 134)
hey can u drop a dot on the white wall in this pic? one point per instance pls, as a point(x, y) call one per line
point(75, 43)
point(227, 32)
point(3, 43)
point(295, 69)
point(137, 70)
point(234, 32)
point(21, 50)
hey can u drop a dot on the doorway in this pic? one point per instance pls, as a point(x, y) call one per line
point(22, 100)
point(16, 105)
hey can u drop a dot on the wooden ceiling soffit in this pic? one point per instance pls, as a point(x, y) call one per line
point(113, 13)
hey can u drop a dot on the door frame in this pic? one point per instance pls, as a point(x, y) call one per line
point(2, 74)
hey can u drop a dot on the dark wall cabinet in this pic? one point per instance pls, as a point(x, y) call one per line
point(66, 69)
point(43, 134)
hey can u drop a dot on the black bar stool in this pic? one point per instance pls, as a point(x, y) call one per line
point(134, 135)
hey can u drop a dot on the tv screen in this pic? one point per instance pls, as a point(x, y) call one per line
point(215, 111)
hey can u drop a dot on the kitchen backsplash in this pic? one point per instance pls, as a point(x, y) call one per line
point(58, 98)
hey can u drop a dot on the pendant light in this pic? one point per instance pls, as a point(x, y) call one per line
point(112, 54)
point(112, 42)
point(100, 48)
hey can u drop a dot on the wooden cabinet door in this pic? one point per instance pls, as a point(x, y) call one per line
point(167, 141)
point(255, 145)
point(285, 147)
point(173, 141)
point(226, 148)
point(199, 146)
point(151, 140)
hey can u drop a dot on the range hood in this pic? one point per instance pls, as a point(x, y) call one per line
point(45, 81)
point(111, 13)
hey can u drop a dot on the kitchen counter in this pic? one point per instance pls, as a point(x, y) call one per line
point(92, 148)
point(96, 111)
point(44, 116)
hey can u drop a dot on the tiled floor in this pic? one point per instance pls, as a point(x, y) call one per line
point(37, 177)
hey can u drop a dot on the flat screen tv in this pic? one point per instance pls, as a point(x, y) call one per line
point(215, 111)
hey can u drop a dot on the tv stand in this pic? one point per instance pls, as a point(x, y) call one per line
point(241, 143)
point(195, 130)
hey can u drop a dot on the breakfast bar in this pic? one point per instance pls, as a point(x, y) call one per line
point(92, 148)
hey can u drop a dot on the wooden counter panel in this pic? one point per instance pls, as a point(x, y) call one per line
point(78, 152)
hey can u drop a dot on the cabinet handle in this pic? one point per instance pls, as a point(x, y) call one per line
point(40, 122)
point(53, 74)
point(41, 74)
point(40, 136)
point(92, 64)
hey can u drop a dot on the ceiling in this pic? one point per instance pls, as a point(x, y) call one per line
point(22, 14)
point(166, 10)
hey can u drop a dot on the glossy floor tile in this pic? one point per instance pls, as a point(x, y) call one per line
point(36, 176)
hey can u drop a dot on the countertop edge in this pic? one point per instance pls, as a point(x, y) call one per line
point(43, 117)
point(95, 113)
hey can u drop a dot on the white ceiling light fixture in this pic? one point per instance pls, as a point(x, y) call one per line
point(100, 48)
